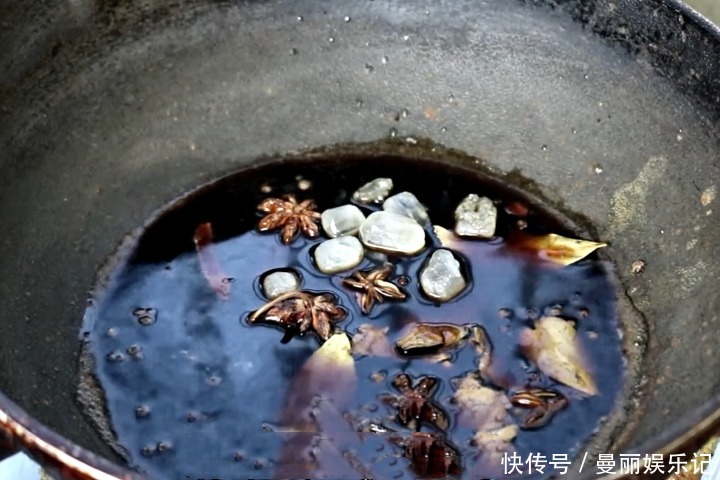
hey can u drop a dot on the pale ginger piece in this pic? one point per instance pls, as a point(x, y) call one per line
point(554, 347)
point(486, 410)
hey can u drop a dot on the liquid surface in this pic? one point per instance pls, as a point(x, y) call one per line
point(194, 391)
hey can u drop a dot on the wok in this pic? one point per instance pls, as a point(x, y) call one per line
point(608, 109)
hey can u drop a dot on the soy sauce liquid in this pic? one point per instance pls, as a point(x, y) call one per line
point(195, 391)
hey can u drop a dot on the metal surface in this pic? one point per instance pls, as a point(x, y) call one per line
point(111, 109)
point(708, 8)
point(64, 459)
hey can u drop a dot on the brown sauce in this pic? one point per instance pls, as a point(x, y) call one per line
point(193, 391)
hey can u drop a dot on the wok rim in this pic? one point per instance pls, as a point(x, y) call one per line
point(702, 21)
point(52, 449)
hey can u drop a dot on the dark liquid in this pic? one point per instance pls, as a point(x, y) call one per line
point(195, 392)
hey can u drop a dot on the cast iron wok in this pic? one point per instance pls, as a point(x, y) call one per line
point(110, 109)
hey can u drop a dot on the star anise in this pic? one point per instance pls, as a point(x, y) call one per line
point(291, 216)
point(430, 455)
point(374, 287)
point(415, 404)
point(297, 312)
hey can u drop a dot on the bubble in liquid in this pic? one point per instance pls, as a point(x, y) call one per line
point(142, 411)
point(164, 446)
point(140, 311)
point(193, 416)
point(135, 351)
point(148, 450)
point(115, 357)
point(145, 315)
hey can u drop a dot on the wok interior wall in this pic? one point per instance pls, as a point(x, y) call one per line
point(110, 111)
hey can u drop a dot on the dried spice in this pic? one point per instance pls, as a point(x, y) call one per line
point(558, 249)
point(415, 405)
point(209, 264)
point(374, 287)
point(543, 404)
point(425, 338)
point(431, 456)
point(554, 347)
point(290, 216)
point(483, 349)
point(552, 247)
point(517, 208)
point(300, 311)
